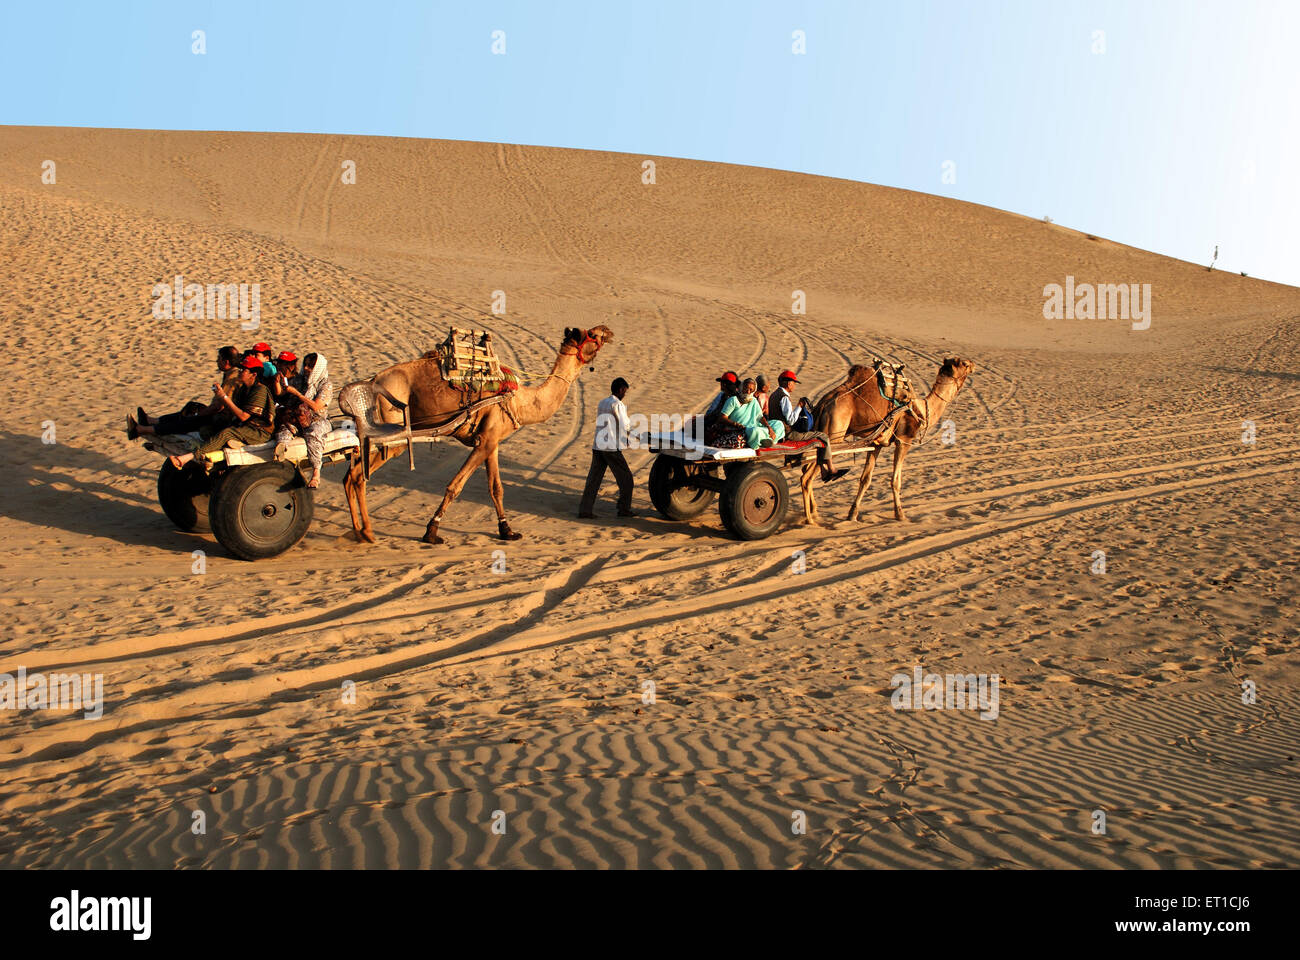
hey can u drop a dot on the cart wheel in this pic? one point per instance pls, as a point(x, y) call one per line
point(670, 492)
point(184, 496)
point(755, 501)
point(261, 510)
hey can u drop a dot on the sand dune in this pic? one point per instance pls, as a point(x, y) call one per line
point(522, 691)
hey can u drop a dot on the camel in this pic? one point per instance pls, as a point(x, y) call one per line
point(855, 408)
point(851, 409)
point(912, 426)
point(431, 401)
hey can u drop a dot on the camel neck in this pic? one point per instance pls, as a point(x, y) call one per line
point(538, 403)
point(935, 401)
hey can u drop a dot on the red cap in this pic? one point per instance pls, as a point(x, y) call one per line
point(262, 347)
point(728, 377)
point(251, 363)
point(788, 375)
point(287, 356)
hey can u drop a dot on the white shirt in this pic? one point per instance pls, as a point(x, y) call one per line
point(612, 425)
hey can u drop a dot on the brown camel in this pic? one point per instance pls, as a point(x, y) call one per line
point(913, 424)
point(432, 401)
point(851, 409)
point(856, 408)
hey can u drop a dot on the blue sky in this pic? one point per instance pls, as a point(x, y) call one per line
point(1182, 134)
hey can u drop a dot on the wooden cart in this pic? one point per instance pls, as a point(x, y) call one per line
point(750, 486)
point(255, 502)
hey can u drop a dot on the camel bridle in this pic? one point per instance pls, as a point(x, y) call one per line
point(577, 351)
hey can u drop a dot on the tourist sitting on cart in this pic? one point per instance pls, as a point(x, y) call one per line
point(249, 413)
point(286, 370)
point(309, 417)
point(719, 431)
point(728, 384)
point(744, 411)
point(799, 415)
point(262, 351)
point(193, 416)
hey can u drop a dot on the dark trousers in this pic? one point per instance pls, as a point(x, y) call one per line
point(823, 452)
point(181, 423)
point(614, 460)
point(248, 433)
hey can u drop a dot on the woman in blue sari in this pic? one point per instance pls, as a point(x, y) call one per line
point(745, 411)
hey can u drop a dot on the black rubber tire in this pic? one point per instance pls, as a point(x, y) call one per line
point(261, 510)
point(755, 501)
point(184, 495)
point(670, 494)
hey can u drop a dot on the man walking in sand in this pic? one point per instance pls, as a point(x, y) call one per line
point(607, 451)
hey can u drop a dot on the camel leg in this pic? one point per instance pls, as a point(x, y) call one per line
point(354, 466)
point(476, 456)
point(896, 481)
point(867, 470)
point(805, 491)
point(354, 486)
point(498, 496)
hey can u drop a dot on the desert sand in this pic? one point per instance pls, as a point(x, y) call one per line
point(522, 691)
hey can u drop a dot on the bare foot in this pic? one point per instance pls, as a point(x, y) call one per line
point(365, 536)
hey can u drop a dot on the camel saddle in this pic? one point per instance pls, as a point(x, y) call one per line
point(467, 361)
point(892, 382)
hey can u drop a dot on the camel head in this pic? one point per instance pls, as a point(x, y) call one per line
point(957, 370)
point(587, 343)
